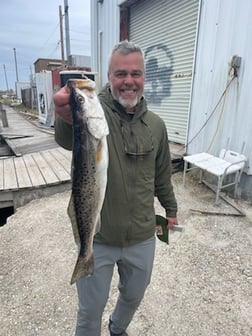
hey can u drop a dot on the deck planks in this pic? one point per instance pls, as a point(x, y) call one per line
point(44, 168)
point(10, 178)
point(22, 173)
point(33, 170)
point(54, 159)
point(38, 168)
point(65, 157)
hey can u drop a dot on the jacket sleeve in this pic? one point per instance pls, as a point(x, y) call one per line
point(163, 184)
point(63, 133)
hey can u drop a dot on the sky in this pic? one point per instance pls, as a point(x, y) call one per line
point(33, 29)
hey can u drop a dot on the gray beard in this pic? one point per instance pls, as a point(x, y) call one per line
point(128, 105)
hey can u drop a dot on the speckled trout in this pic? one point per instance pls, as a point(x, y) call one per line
point(89, 170)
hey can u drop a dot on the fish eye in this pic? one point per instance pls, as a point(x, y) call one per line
point(80, 99)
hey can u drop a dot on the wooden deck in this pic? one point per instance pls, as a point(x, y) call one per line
point(38, 166)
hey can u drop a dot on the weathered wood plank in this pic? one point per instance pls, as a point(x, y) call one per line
point(10, 178)
point(13, 147)
point(65, 157)
point(34, 139)
point(45, 169)
point(67, 153)
point(59, 166)
point(3, 117)
point(36, 177)
point(23, 177)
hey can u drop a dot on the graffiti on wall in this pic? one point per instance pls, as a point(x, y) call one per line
point(159, 69)
point(42, 103)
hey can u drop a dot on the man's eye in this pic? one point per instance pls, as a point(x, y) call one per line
point(120, 74)
point(136, 74)
point(124, 74)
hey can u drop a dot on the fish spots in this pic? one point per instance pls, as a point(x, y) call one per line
point(89, 170)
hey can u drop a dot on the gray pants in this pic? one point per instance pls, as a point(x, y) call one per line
point(134, 267)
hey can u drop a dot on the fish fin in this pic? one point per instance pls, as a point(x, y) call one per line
point(72, 216)
point(83, 267)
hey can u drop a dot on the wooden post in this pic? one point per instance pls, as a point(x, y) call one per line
point(3, 116)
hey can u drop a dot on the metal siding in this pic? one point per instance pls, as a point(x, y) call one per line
point(104, 35)
point(166, 31)
point(225, 30)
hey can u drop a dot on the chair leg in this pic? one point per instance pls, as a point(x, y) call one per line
point(237, 180)
point(219, 185)
point(185, 170)
point(200, 176)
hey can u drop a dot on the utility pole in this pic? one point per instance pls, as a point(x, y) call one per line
point(15, 58)
point(61, 36)
point(67, 33)
point(5, 75)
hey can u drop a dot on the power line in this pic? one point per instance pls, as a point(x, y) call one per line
point(211, 114)
point(50, 36)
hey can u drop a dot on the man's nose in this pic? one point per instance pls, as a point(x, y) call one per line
point(128, 79)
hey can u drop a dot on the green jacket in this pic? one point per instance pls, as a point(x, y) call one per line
point(128, 214)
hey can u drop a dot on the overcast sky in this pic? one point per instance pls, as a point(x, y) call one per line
point(33, 29)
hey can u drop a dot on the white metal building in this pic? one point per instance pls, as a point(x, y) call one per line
point(188, 46)
point(225, 30)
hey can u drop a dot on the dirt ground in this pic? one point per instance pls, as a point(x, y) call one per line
point(201, 282)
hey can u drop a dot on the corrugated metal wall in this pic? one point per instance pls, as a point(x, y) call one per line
point(225, 30)
point(166, 30)
point(105, 33)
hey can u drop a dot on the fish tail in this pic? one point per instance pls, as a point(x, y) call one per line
point(83, 267)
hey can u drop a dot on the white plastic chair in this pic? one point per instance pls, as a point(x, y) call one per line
point(228, 162)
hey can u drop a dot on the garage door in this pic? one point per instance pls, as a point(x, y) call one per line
point(166, 30)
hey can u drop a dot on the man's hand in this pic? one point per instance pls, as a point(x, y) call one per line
point(62, 106)
point(171, 222)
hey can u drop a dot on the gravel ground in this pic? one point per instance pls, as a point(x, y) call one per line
point(201, 282)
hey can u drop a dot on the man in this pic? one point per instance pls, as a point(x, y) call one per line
point(139, 169)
